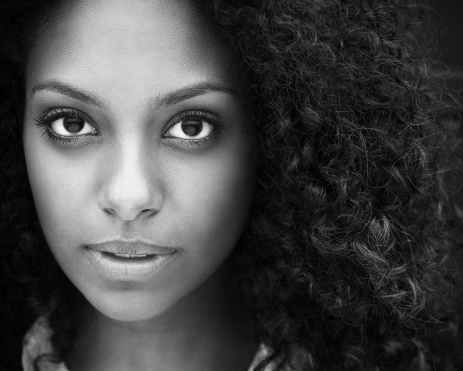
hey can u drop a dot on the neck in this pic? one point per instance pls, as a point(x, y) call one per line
point(204, 331)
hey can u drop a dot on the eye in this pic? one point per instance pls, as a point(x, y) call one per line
point(66, 125)
point(71, 126)
point(190, 128)
point(194, 129)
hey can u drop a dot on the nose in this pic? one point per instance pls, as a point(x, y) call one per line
point(129, 190)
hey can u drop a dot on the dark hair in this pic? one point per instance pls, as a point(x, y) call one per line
point(344, 254)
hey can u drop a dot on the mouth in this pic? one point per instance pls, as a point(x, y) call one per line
point(119, 259)
point(131, 256)
point(130, 249)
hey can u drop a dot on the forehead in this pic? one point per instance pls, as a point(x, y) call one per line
point(138, 42)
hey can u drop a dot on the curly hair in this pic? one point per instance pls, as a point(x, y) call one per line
point(343, 260)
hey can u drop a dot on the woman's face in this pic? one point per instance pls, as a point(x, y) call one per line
point(137, 143)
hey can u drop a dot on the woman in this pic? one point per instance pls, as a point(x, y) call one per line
point(220, 187)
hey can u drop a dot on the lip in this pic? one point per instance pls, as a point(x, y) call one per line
point(137, 260)
point(131, 247)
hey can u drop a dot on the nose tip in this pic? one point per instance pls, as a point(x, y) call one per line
point(129, 199)
point(129, 191)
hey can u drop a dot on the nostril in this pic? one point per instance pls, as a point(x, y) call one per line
point(149, 212)
point(109, 211)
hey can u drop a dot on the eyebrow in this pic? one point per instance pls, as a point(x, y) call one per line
point(171, 98)
point(64, 89)
point(186, 93)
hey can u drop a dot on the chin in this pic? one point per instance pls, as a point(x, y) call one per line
point(130, 306)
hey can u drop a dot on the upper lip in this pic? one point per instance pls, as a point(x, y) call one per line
point(131, 247)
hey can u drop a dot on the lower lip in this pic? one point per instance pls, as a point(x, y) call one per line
point(116, 268)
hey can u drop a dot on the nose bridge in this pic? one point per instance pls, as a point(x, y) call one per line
point(128, 190)
point(129, 169)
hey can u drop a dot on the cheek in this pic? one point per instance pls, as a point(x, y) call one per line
point(59, 189)
point(213, 198)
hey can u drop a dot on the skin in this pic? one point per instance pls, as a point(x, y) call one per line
point(131, 178)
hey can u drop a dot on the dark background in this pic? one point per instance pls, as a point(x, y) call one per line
point(448, 18)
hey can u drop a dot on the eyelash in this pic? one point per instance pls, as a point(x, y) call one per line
point(45, 121)
point(48, 117)
point(198, 115)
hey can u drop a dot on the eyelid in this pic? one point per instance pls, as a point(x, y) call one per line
point(45, 121)
point(213, 119)
point(60, 112)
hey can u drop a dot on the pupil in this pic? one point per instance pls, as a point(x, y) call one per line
point(192, 127)
point(73, 124)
